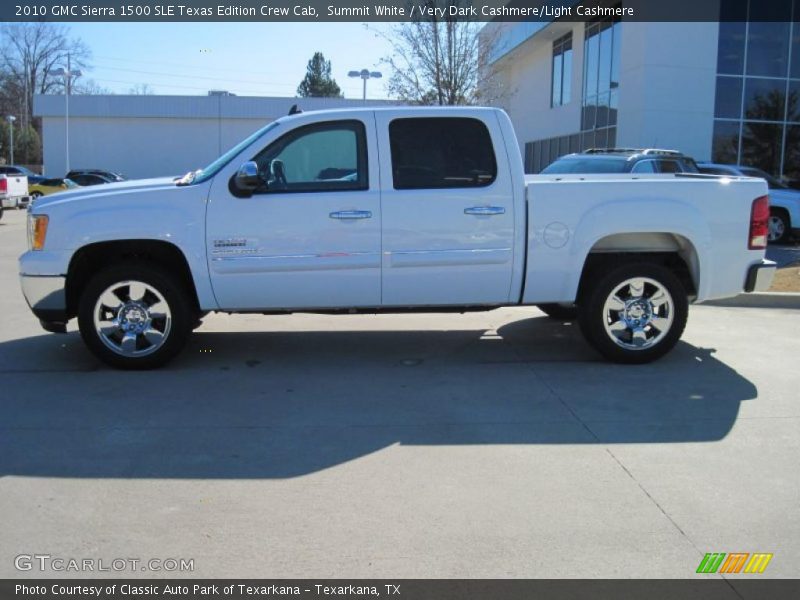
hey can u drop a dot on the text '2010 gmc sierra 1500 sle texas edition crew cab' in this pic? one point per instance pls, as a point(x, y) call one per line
point(390, 210)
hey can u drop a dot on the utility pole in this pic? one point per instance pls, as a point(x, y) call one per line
point(68, 74)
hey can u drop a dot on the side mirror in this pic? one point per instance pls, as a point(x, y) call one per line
point(247, 179)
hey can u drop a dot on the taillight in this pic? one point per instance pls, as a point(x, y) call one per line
point(3, 184)
point(759, 224)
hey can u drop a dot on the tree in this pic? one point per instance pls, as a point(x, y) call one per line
point(141, 89)
point(29, 53)
point(318, 82)
point(444, 61)
point(27, 144)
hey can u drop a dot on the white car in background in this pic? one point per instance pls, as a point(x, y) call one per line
point(784, 202)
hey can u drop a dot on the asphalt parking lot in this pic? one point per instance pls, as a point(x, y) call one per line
point(486, 445)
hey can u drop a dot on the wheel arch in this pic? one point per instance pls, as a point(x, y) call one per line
point(89, 259)
point(671, 250)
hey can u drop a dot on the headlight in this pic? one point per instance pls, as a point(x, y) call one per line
point(37, 231)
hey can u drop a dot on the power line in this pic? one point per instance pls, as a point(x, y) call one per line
point(178, 75)
point(191, 87)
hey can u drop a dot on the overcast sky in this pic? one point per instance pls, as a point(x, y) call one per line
point(249, 59)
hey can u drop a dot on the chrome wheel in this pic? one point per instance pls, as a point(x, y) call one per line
point(132, 318)
point(638, 313)
point(777, 228)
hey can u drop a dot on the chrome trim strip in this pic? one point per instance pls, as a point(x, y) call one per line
point(448, 257)
point(296, 262)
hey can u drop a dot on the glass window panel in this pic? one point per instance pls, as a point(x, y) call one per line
point(613, 107)
point(545, 154)
point(791, 161)
point(765, 99)
point(612, 137)
point(566, 80)
point(725, 144)
point(591, 58)
point(588, 140)
point(644, 166)
point(730, 54)
point(728, 103)
point(768, 48)
point(321, 157)
point(602, 110)
point(796, 42)
point(761, 146)
point(616, 53)
point(563, 145)
point(575, 143)
point(447, 152)
point(553, 149)
point(793, 101)
point(604, 76)
point(557, 74)
point(589, 113)
point(601, 138)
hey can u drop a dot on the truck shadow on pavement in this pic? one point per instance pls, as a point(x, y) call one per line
point(286, 404)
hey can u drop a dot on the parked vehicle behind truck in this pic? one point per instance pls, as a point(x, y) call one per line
point(13, 191)
point(389, 210)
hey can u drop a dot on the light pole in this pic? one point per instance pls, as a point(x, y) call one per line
point(11, 119)
point(68, 74)
point(365, 74)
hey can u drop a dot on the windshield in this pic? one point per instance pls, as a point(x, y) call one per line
point(214, 168)
point(772, 183)
point(587, 165)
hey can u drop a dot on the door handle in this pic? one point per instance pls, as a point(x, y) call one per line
point(485, 211)
point(351, 214)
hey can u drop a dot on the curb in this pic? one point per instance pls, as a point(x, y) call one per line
point(787, 300)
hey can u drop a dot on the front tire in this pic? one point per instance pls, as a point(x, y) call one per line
point(635, 313)
point(135, 316)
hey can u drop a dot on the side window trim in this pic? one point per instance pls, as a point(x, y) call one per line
point(357, 126)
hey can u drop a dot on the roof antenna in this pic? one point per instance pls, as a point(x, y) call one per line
point(295, 110)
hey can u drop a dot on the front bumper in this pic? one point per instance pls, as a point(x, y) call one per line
point(759, 276)
point(46, 296)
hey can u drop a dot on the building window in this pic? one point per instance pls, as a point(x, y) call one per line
point(561, 89)
point(601, 58)
point(757, 106)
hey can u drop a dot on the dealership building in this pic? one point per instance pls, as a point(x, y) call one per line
point(725, 91)
point(152, 136)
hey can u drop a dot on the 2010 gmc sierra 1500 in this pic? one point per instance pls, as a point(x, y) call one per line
point(390, 210)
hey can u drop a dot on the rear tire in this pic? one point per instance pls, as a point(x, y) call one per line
point(634, 314)
point(560, 312)
point(779, 227)
point(135, 316)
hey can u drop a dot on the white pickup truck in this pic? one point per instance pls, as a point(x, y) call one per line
point(13, 191)
point(390, 210)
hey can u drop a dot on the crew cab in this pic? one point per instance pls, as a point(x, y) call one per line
point(390, 210)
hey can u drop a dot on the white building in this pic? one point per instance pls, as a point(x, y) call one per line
point(150, 136)
point(728, 92)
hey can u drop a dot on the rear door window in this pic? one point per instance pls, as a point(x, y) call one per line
point(433, 152)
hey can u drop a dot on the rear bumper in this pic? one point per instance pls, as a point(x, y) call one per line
point(46, 296)
point(759, 276)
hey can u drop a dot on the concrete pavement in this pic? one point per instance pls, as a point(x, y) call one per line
point(484, 445)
